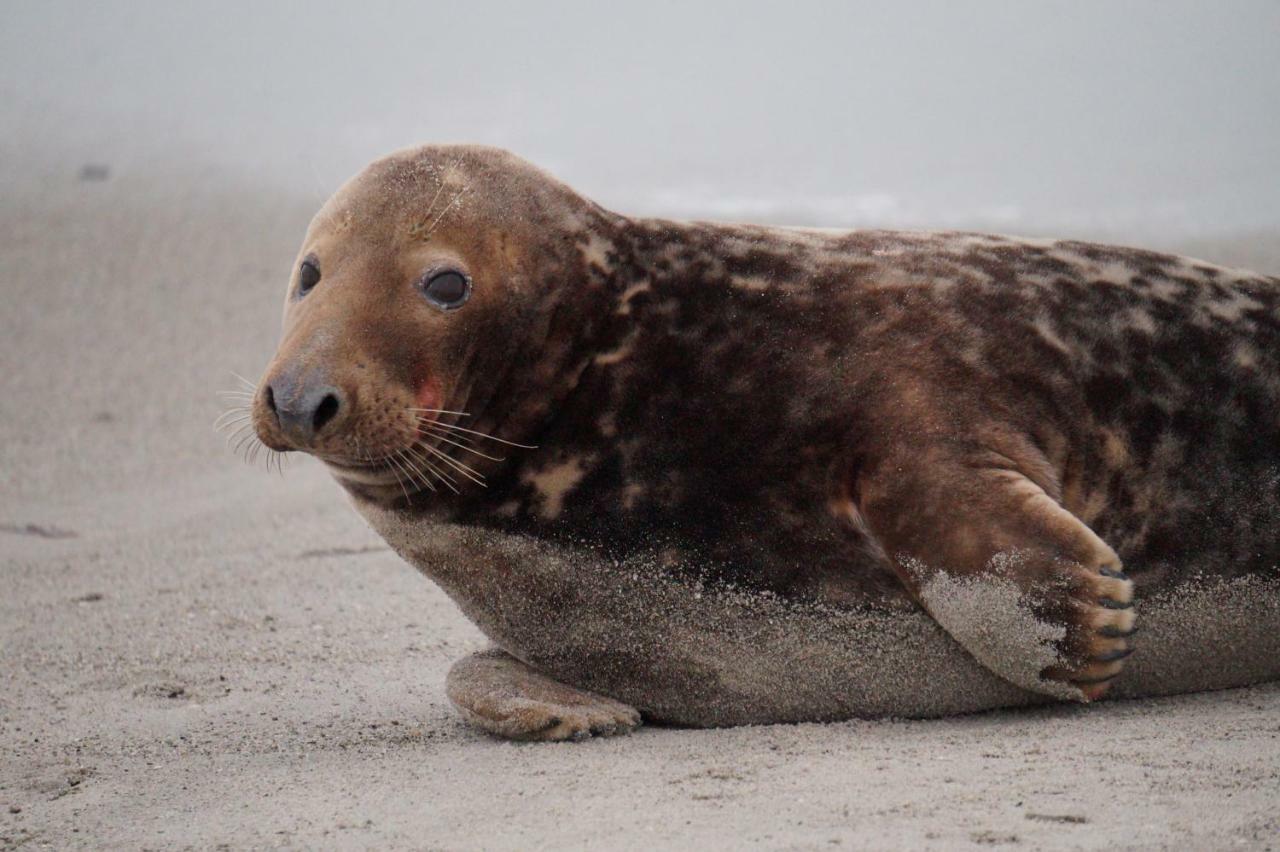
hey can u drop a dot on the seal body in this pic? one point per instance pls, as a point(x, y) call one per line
point(770, 474)
point(749, 375)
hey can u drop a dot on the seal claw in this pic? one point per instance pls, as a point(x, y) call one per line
point(1099, 629)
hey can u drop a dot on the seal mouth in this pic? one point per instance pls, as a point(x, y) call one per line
point(371, 472)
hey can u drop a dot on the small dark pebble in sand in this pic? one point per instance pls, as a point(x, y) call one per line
point(91, 597)
point(993, 839)
point(94, 172)
point(339, 551)
point(1071, 818)
point(14, 809)
point(38, 530)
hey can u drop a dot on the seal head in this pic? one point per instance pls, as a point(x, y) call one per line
point(413, 309)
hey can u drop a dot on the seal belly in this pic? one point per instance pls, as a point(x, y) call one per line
point(705, 656)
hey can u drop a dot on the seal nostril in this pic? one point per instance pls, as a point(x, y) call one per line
point(270, 399)
point(325, 412)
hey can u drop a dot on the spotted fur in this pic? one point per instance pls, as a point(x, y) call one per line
point(744, 374)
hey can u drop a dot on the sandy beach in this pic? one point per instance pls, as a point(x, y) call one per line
point(198, 653)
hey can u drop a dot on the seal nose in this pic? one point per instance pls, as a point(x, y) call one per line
point(303, 410)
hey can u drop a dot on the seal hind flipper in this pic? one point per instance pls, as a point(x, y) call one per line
point(1022, 583)
point(499, 694)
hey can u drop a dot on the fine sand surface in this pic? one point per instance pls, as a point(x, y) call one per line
point(195, 653)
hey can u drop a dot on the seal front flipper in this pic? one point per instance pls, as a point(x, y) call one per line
point(1024, 585)
point(501, 695)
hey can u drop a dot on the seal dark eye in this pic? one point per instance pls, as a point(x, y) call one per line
point(448, 290)
point(308, 276)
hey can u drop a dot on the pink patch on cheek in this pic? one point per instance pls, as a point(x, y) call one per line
point(428, 396)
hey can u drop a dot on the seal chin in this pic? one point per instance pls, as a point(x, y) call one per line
point(361, 473)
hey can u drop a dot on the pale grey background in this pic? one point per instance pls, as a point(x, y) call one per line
point(1144, 117)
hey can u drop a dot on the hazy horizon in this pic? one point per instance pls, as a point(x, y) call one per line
point(1159, 117)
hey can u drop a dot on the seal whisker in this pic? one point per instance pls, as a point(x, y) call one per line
point(464, 469)
point(248, 384)
point(420, 475)
point(233, 424)
point(416, 452)
point(252, 446)
point(396, 469)
point(439, 411)
point(238, 432)
point(440, 475)
point(446, 439)
point(466, 441)
point(231, 416)
point(443, 473)
point(435, 424)
point(415, 474)
point(399, 466)
point(240, 444)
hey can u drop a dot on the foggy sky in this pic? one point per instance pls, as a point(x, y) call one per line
point(1069, 115)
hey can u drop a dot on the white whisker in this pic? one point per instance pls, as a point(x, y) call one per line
point(441, 475)
point(248, 384)
point(396, 469)
point(439, 411)
point(480, 434)
point(241, 432)
point(227, 418)
point(249, 435)
point(415, 472)
point(448, 440)
point(465, 470)
point(415, 461)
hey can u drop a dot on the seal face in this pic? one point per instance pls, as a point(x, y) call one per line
point(983, 427)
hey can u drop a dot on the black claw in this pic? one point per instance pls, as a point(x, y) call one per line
point(1114, 573)
point(1114, 655)
point(1113, 632)
point(1108, 603)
